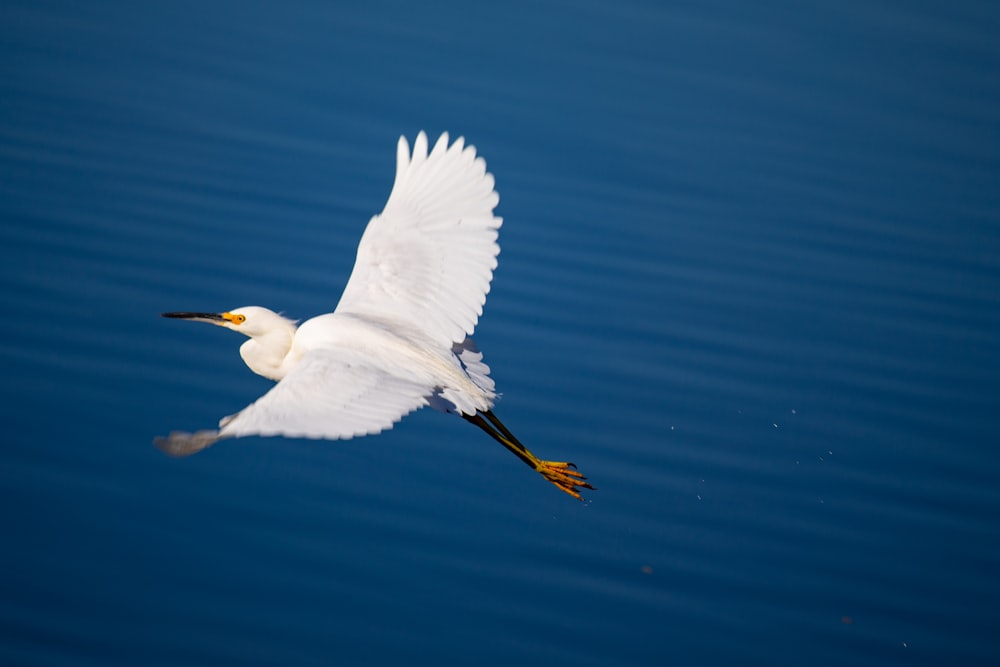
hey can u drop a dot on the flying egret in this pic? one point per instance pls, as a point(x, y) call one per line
point(399, 339)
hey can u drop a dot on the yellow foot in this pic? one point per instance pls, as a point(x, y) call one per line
point(565, 476)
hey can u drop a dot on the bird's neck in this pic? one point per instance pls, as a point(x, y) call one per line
point(266, 355)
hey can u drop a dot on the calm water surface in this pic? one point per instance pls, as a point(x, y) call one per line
point(750, 283)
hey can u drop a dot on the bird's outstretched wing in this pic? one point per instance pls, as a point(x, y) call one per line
point(333, 394)
point(428, 258)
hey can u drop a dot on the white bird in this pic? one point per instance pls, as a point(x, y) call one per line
point(399, 339)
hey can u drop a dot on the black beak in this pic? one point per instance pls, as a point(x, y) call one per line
point(213, 318)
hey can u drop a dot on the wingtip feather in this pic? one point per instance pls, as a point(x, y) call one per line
point(402, 156)
point(420, 147)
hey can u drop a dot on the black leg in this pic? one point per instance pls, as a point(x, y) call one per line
point(560, 473)
point(505, 439)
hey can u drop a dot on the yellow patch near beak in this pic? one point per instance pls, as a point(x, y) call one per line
point(236, 319)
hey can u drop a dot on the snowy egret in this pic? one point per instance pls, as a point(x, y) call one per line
point(399, 339)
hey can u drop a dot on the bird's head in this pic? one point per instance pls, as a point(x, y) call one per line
point(270, 336)
point(252, 321)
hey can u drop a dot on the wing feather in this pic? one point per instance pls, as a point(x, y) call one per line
point(428, 258)
point(334, 394)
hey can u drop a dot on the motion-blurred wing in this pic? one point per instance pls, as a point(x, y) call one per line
point(428, 258)
point(332, 394)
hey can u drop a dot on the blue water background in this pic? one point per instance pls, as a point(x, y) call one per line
point(749, 282)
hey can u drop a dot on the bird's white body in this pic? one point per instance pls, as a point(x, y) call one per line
point(336, 357)
point(399, 339)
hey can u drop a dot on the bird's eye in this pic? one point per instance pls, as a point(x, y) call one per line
point(238, 319)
